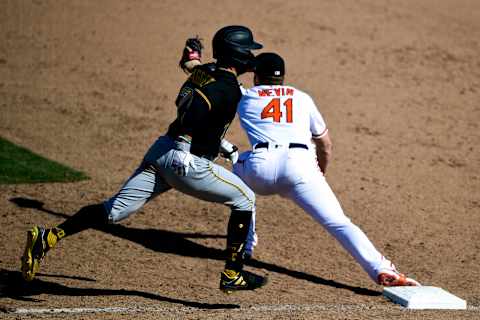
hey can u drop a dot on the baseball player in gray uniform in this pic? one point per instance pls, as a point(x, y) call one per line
point(183, 159)
point(291, 148)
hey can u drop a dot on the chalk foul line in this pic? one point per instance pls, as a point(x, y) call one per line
point(258, 308)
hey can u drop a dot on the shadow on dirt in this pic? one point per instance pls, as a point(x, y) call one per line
point(13, 286)
point(178, 243)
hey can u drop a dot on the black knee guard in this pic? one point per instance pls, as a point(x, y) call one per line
point(238, 227)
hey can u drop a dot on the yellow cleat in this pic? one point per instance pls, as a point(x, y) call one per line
point(39, 241)
point(231, 280)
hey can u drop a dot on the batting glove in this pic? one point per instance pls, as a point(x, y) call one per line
point(229, 151)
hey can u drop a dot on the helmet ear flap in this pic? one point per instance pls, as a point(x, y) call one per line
point(242, 62)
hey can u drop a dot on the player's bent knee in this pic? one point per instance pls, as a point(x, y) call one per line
point(118, 211)
point(245, 201)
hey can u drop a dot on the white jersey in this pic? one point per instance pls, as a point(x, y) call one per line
point(280, 114)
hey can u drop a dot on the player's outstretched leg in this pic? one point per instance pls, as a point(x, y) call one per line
point(327, 211)
point(39, 241)
point(234, 278)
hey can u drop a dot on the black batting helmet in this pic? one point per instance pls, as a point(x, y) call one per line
point(232, 45)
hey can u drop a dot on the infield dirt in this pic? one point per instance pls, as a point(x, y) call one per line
point(91, 84)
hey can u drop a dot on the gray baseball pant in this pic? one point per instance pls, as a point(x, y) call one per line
point(204, 180)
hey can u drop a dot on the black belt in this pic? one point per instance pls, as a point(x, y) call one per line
point(290, 145)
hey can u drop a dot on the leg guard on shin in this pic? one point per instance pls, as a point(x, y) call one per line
point(238, 227)
point(233, 278)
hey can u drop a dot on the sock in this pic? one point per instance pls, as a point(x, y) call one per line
point(91, 216)
point(51, 237)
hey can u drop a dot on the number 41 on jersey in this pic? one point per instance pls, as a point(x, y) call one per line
point(274, 110)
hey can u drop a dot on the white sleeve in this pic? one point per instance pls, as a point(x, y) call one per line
point(317, 124)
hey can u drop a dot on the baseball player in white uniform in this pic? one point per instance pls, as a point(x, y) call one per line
point(290, 152)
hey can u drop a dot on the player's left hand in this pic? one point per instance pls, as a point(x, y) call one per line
point(233, 157)
point(229, 151)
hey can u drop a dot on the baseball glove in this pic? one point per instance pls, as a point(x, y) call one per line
point(192, 54)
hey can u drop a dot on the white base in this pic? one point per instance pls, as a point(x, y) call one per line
point(424, 297)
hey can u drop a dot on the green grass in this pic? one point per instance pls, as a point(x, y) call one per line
point(20, 165)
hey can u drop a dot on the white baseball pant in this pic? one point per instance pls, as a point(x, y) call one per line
point(293, 173)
